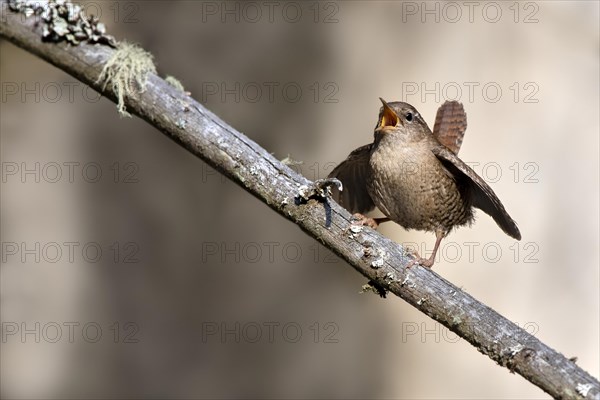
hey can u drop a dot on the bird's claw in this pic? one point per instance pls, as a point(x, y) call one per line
point(359, 219)
point(424, 262)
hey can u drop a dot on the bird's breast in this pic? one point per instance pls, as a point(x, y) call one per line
point(410, 185)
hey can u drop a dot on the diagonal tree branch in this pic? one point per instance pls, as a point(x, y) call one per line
point(288, 193)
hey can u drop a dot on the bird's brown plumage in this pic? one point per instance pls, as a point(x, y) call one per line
point(450, 125)
point(415, 177)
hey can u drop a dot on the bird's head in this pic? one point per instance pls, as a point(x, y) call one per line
point(399, 118)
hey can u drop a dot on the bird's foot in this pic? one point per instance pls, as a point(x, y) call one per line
point(359, 219)
point(425, 262)
point(373, 223)
point(428, 262)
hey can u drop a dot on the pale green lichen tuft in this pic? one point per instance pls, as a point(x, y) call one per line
point(171, 80)
point(127, 73)
point(367, 288)
point(290, 161)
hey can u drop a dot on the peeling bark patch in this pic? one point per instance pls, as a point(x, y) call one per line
point(64, 21)
point(584, 389)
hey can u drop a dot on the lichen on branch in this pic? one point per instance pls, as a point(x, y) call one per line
point(127, 72)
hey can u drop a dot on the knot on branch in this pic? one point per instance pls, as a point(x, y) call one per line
point(320, 190)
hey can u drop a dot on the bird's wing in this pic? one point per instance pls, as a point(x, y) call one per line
point(482, 195)
point(353, 172)
point(450, 125)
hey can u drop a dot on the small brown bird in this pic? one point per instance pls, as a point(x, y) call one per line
point(415, 177)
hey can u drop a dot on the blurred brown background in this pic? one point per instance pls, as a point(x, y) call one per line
point(186, 255)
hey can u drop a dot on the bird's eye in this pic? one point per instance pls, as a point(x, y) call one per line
point(409, 116)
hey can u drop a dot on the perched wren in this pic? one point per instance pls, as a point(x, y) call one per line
point(415, 177)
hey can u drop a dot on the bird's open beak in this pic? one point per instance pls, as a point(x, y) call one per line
point(388, 117)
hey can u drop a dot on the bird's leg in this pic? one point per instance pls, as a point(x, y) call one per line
point(370, 222)
point(428, 262)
